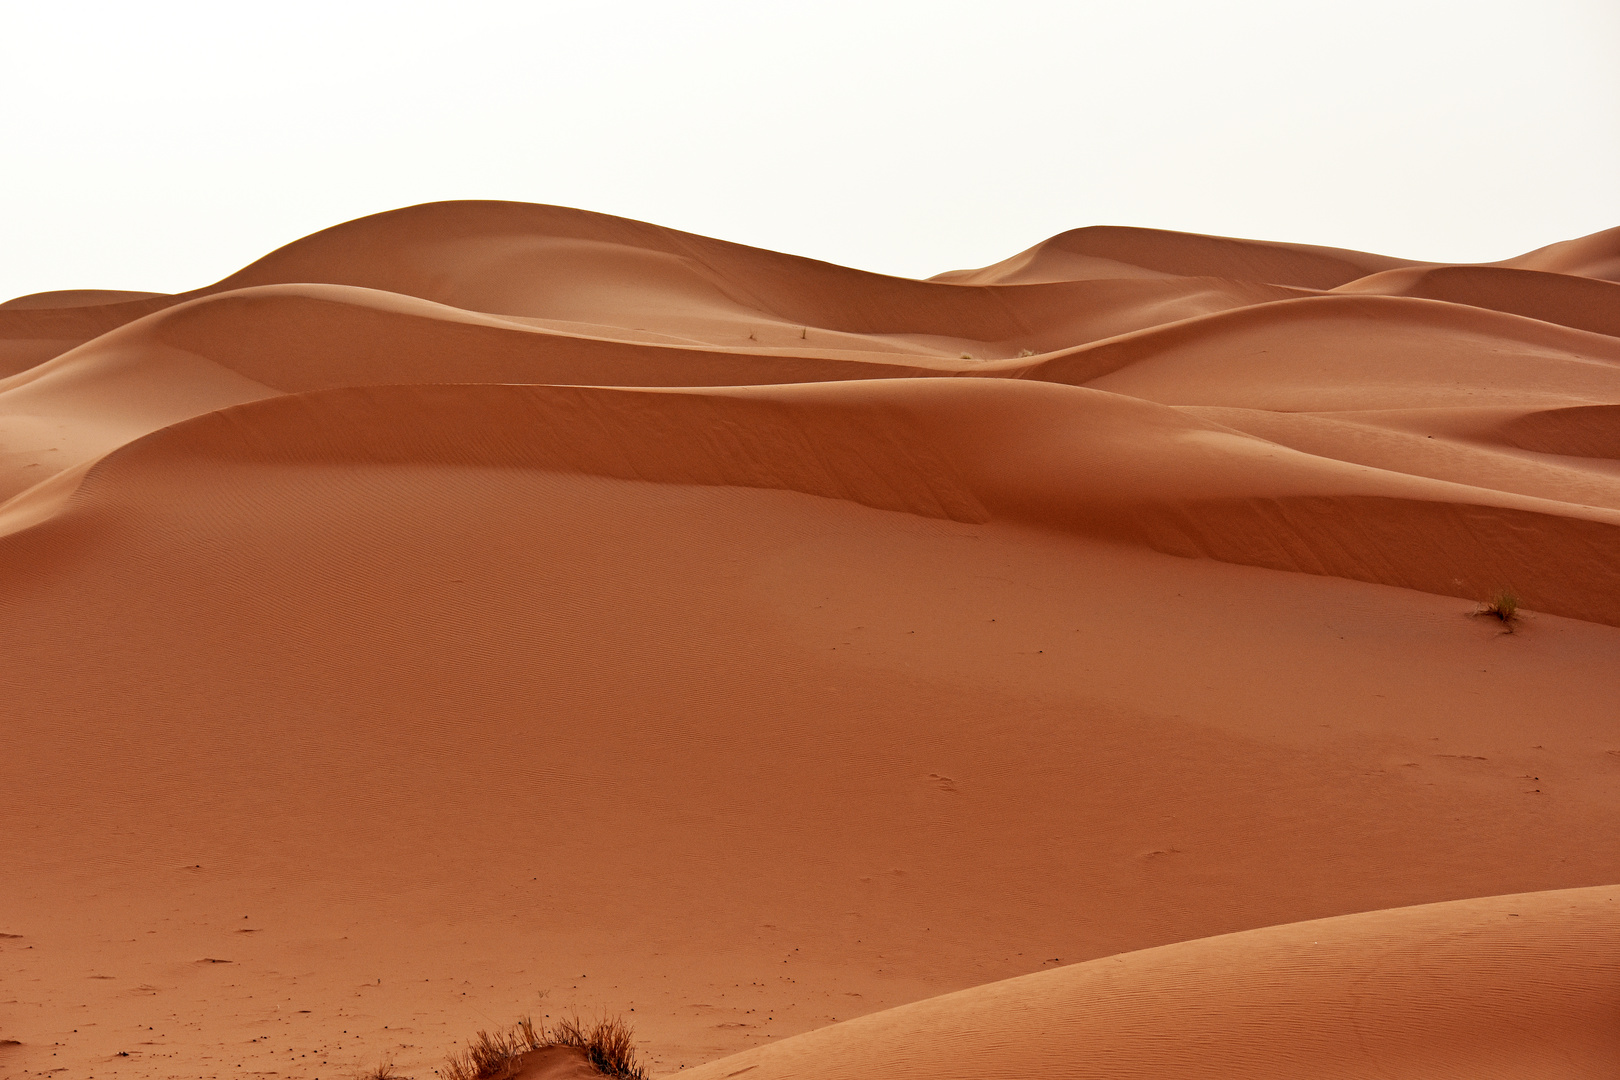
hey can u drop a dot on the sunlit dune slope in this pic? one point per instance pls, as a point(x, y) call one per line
point(556, 263)
point(1577, 302)
point(479, 599)
point(1595, 256)
point(1508, 987)
point(244, 345)
point(1349, 353)
point(1115, 252)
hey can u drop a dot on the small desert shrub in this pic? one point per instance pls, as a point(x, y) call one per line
point(487, 1057)
point(1503, 606)
point(607, 1045)
point(385, 1071)
point(1025, 352)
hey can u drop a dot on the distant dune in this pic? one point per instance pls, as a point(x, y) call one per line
point(1072, 667)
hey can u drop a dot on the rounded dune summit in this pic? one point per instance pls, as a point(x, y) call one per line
point(1153, 655)
point(1502, 987)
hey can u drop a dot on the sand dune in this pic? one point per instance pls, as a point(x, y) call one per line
point(1115, 252)
point(1577, 302)
point(1083, 461)
point(1345, 354)
point(1512, 986)
point(74, 298)
point(1595, 256)
point(984, 674)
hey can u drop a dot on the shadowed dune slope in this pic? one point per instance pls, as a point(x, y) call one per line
point(1588, 431)
point(245, 345)
point(1509, 987)
point(1083, 461)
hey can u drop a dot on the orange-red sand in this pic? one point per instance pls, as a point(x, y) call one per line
point(1065, 668)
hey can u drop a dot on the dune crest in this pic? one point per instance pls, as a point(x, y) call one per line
point(1504, 987)
point(1127, 659)
point(1595, 256)
point(1113, 251)
point(1083, 461)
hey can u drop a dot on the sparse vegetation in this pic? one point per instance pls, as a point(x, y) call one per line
point(1502, 606)
point(385, 1071)
point(1025, 352)
point(607, 1045)
point(487, 1057)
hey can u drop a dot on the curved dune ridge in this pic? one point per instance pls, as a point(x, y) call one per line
point(1510, 986)
point(1073, 666)
point(1079, 460)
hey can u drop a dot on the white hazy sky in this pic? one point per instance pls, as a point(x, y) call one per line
point(162, 145)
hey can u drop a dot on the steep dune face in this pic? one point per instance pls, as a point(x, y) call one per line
point(1083, 461)
point(1582, 431)
point(480, 599)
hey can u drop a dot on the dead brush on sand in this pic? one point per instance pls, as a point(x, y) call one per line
point(607, 1044)
point(1502, 606)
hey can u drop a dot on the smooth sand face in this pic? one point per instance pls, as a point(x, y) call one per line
point(480, 600)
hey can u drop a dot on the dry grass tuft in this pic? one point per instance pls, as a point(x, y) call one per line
point(385, 1071)
point(487, 1057)
point(607, 1044)
point(1503, 606)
